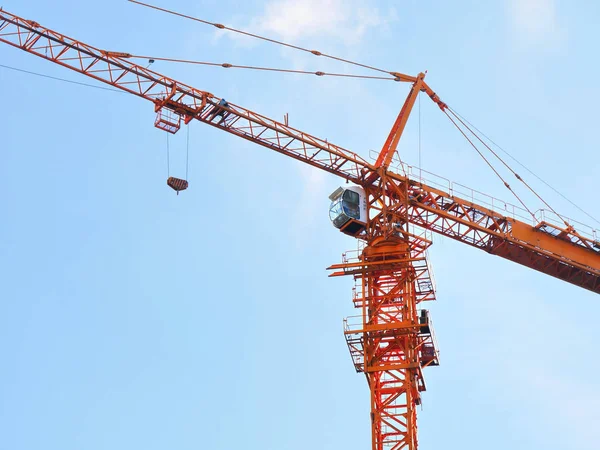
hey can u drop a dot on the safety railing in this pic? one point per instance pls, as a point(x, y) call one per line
point(497, 205)
point(353, 324)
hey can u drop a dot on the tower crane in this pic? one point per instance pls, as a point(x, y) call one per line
point(390, 213)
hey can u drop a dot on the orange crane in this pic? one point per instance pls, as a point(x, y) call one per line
point(388, 212)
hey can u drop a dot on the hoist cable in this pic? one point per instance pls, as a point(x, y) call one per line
point(420, 165)
point(270, 69)
point(510, 168)
point(168, 158)
point(274, 41)
point(527, 169)
point(187, 153)
point(489, 164)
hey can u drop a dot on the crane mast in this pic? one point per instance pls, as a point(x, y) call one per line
point(392, 340)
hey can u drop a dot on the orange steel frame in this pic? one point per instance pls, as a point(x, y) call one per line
point(392, 280)
point(390, 345)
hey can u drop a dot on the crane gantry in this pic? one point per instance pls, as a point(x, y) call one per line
point(393, 341)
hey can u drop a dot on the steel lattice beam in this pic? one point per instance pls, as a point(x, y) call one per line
point(577, 263)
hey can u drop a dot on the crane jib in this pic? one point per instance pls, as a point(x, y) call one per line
point(454, 222)
point(547, 248)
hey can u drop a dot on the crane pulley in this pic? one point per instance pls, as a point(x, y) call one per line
point(177, 184)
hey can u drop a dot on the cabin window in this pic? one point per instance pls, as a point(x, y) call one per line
point(335, 210)
point(351, 201)
point(351, 197)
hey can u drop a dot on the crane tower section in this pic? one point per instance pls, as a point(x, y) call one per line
point(392, 339)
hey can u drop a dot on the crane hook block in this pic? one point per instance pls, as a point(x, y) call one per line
point(177, 184)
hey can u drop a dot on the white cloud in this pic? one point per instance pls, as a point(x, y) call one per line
point(294, 20)
point(535, 22)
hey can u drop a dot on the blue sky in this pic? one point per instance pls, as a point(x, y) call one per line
point(134, 318)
